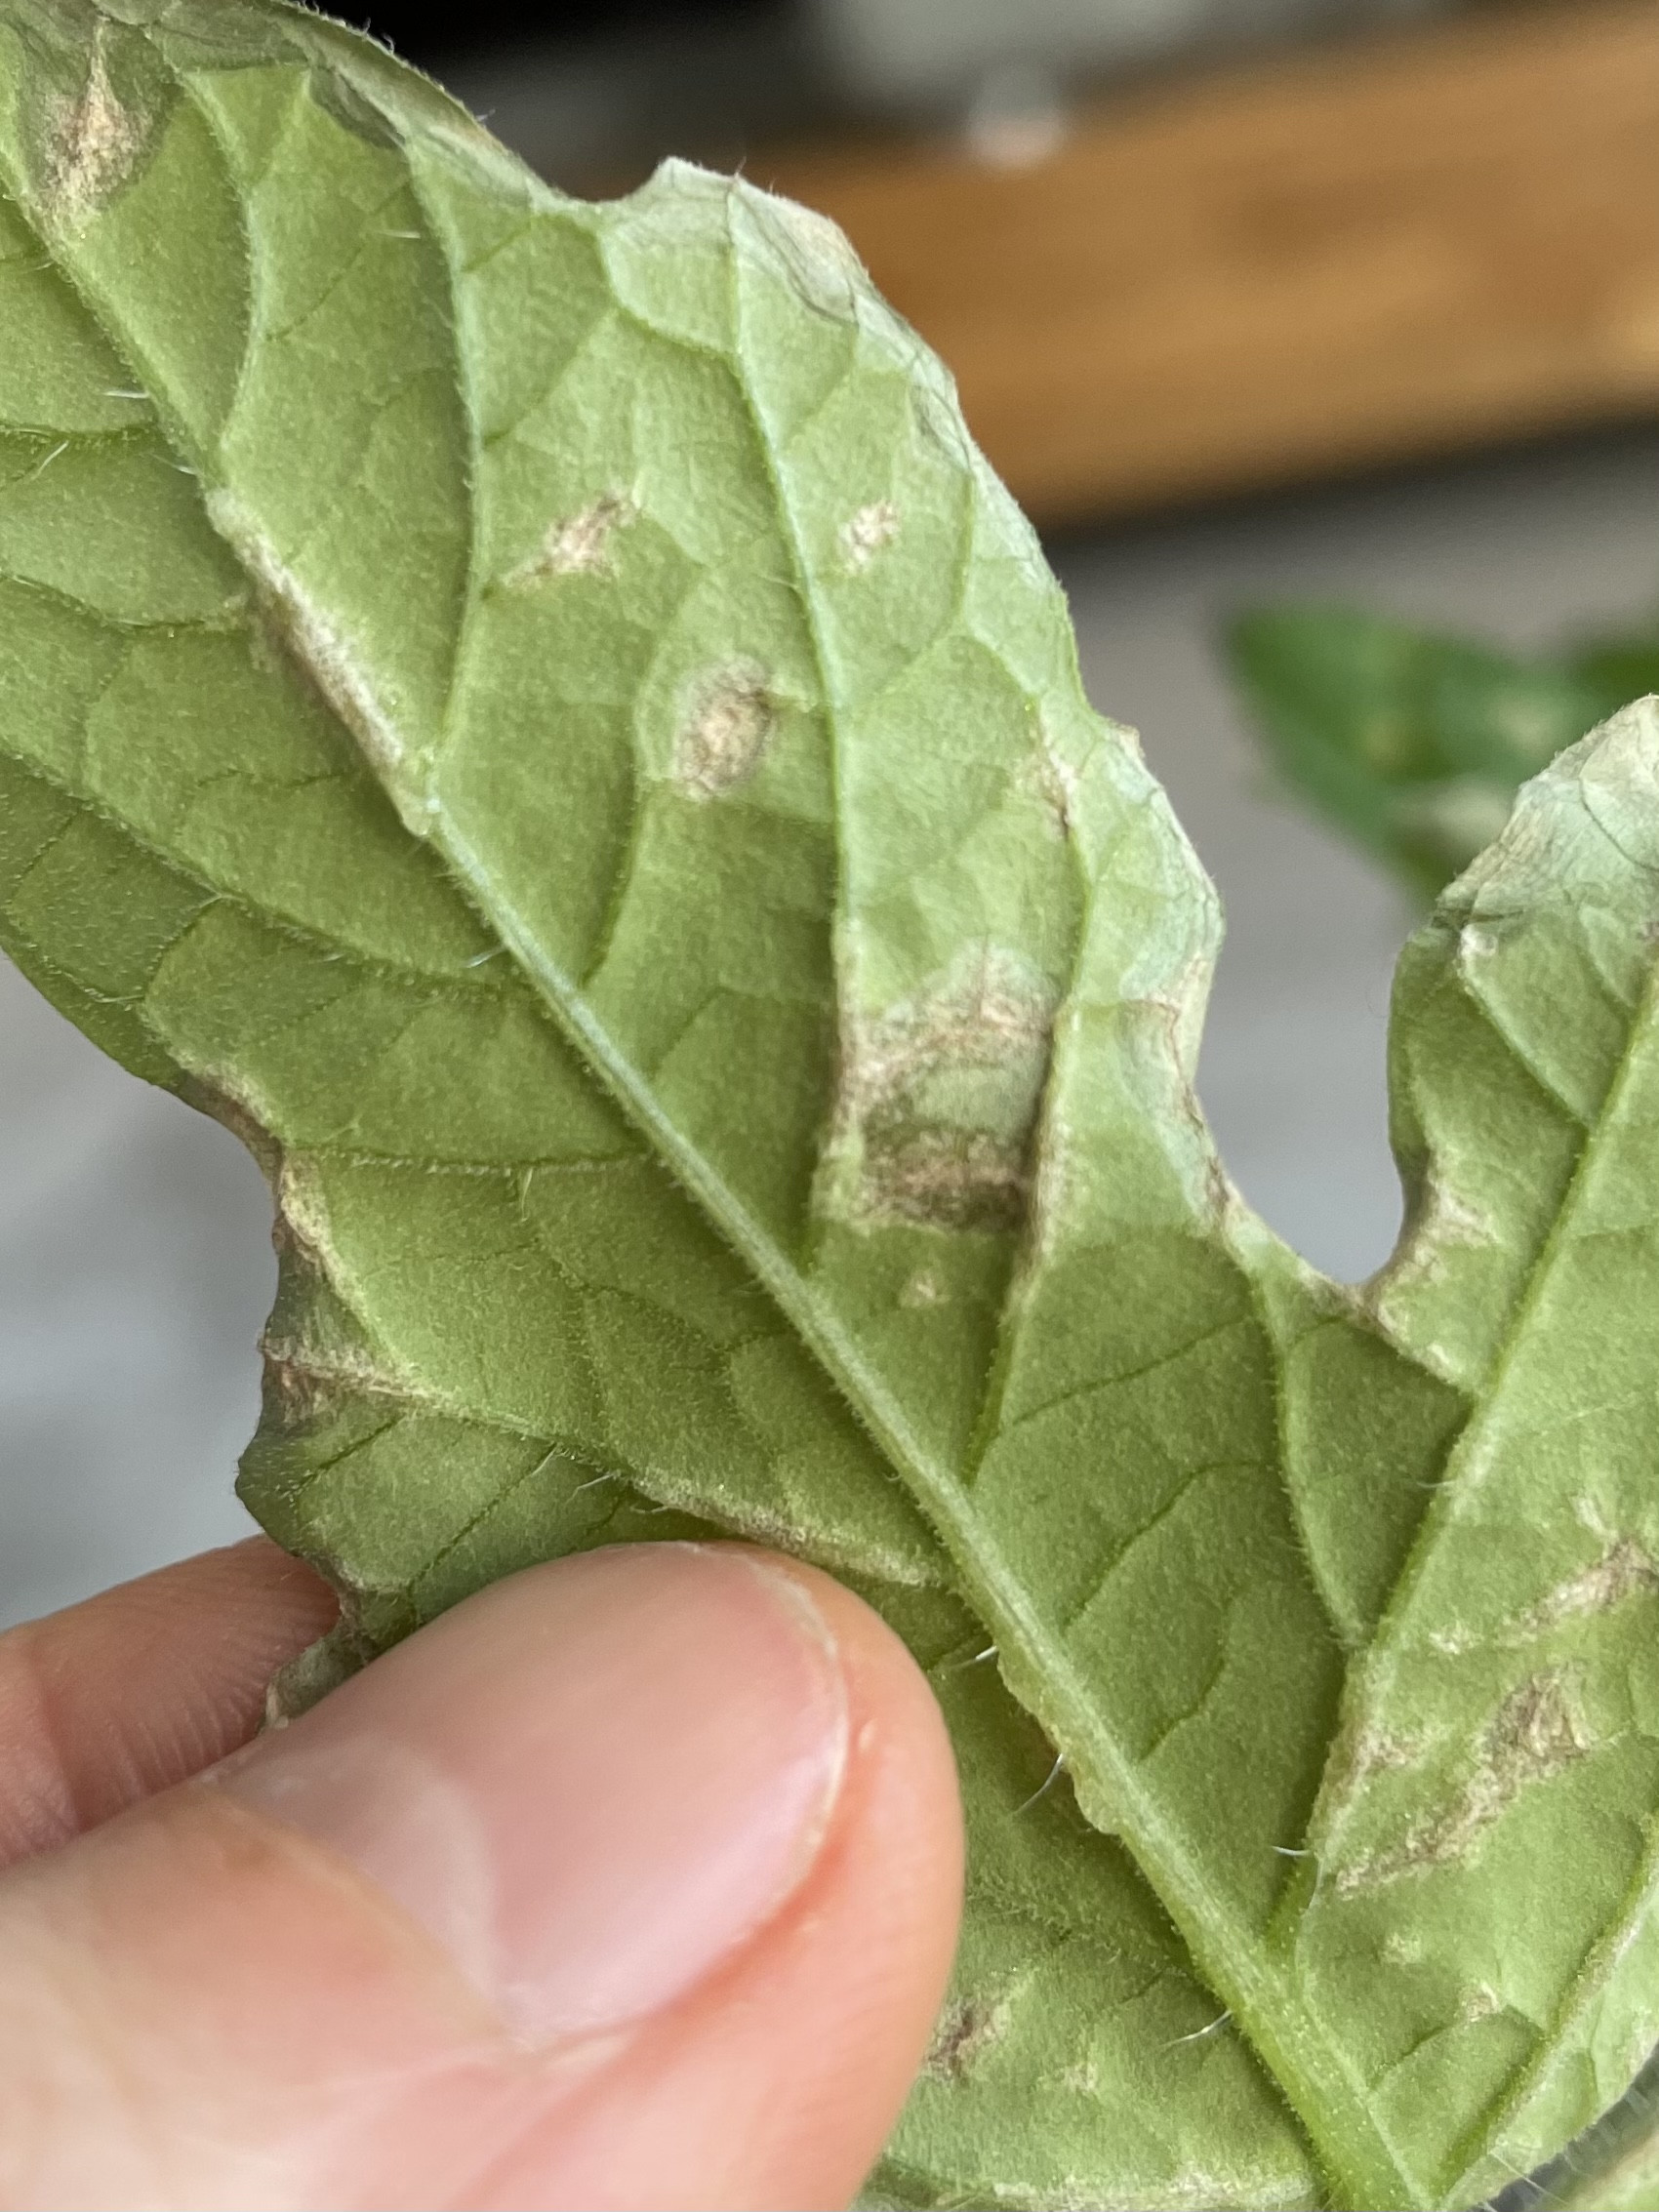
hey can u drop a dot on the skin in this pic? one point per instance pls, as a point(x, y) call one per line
point(441, 1941)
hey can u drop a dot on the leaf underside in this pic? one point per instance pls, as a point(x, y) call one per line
point(538, 717)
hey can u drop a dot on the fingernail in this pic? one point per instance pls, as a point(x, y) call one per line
point(591, 1783)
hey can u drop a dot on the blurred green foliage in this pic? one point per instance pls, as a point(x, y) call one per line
point(1414, 744)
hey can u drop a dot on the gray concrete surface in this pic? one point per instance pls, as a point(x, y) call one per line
point(134, 1268)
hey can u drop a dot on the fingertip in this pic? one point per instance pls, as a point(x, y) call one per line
point(133, 1691)
point(779, 2079)
point(633, 1882)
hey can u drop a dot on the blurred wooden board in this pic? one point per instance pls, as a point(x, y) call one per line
point(1367, 255)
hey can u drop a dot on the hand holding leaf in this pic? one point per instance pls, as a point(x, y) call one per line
point(538, 715)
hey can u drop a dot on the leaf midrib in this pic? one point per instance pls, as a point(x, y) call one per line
point(1226, 1952)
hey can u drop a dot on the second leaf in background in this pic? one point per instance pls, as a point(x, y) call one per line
point(1414, 744)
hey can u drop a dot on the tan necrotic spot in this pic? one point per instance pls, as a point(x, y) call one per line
point(1625, 1570)
point(577, 544)
point(730, 720)
point(1362, 1750)
point(863, 535)
point(302, 1225)
point(967, 2029)
point(938, 1099)
point(94, 143)
point(1536, 1734)
point(1439, 1222)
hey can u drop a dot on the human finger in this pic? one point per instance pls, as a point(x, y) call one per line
point(133, 1691)
point(631, 1882)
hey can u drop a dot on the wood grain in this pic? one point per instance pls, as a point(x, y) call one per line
point(1375, 253)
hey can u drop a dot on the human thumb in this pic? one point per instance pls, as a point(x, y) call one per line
point(629, 1882)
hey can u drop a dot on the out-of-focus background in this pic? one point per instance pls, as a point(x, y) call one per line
point(1250, 300)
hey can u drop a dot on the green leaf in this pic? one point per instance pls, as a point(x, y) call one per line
point(538, 717)
point(1415, 744)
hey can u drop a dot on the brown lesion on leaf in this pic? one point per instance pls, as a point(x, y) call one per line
point(1376, 1751)
point(298, 1391)
point(316, 1346)
point(1449, 1218)
point(1363, 1750)
point(967, 2029)
point(1625, 1570)
point(94, 143)
point(301, 1225)
point(1438, 1220)
point(727, 728)
point(938, 1099)
point(1536, 1734)
point(949, 1178)
point(577, 544)
point(303, 1380)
